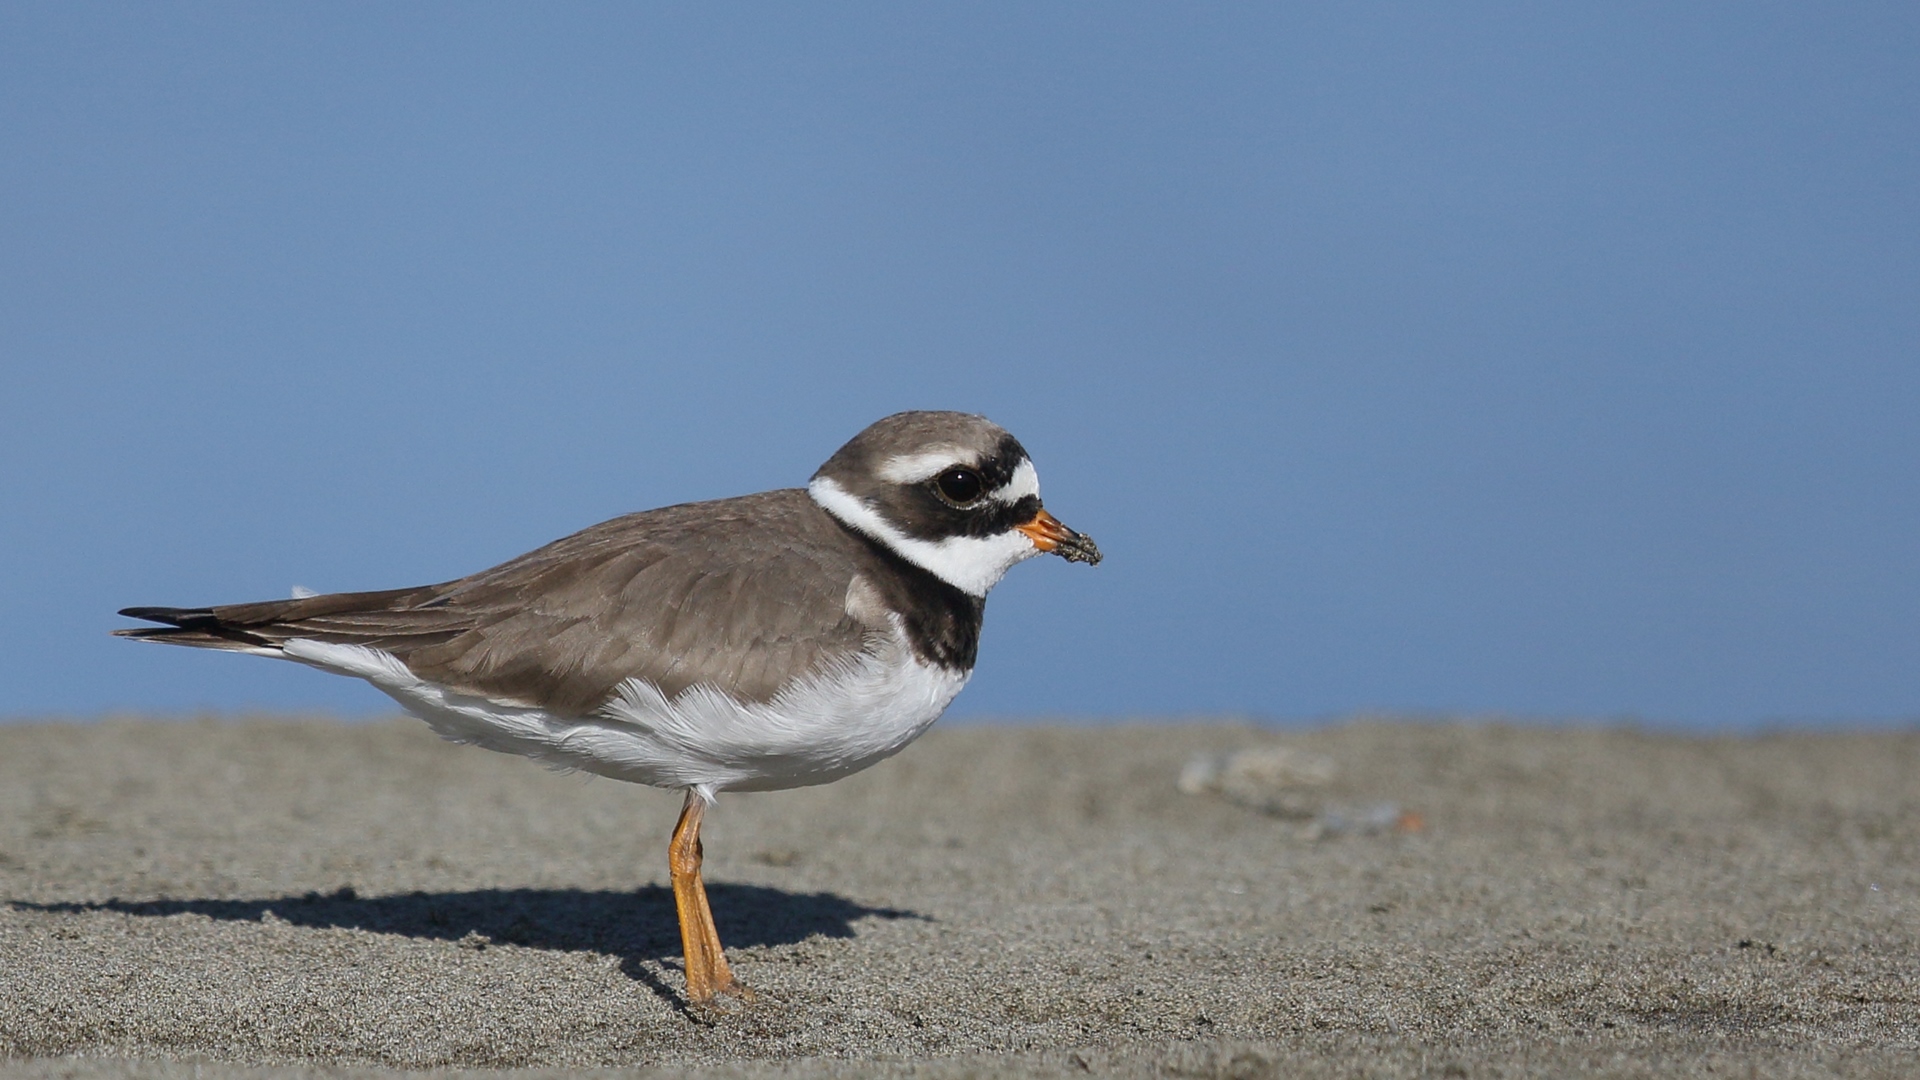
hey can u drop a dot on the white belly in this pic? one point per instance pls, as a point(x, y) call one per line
point(818, 728)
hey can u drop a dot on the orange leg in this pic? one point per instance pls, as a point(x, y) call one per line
point(707, 970)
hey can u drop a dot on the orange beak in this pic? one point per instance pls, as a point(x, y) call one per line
point(1048, 534)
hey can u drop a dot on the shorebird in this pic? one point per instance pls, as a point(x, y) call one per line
point(768, 641)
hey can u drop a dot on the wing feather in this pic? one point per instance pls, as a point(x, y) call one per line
point(739, 594)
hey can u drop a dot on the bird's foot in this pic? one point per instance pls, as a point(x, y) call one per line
point(707, 989)
point(731, 987)
point(721, 999)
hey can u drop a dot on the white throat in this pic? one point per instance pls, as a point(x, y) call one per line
point(972, 564)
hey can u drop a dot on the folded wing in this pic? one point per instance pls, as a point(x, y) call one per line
point(676, 596)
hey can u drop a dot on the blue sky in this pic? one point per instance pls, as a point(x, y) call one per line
point(1552, 361)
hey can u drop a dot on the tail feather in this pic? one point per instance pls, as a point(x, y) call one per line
point(197, 627)
point(262, 627)
point(178, 616)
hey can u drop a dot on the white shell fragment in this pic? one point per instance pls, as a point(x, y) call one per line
point(1290, 784)
point(1277, 780)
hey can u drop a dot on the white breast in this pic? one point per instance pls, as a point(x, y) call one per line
point(819, 728)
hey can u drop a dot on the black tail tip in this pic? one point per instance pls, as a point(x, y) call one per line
point(173, 616)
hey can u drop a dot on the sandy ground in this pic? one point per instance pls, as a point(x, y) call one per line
point(280, 898)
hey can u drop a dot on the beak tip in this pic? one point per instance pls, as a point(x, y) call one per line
point(1080, 549)
point(1049, 535)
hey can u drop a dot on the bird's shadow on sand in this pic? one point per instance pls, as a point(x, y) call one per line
point(634, 926)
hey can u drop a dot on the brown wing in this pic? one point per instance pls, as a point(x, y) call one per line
point(740, 594)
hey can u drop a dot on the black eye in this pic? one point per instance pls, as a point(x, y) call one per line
point(960, 486)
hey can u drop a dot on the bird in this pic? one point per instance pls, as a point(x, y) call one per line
point(767, 641)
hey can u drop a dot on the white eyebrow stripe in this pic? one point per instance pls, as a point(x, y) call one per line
point(1025, 482)
point(913, 468)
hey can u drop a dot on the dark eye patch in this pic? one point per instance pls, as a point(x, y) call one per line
point(960, 485)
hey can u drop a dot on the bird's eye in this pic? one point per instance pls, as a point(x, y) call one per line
point(960, 486)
